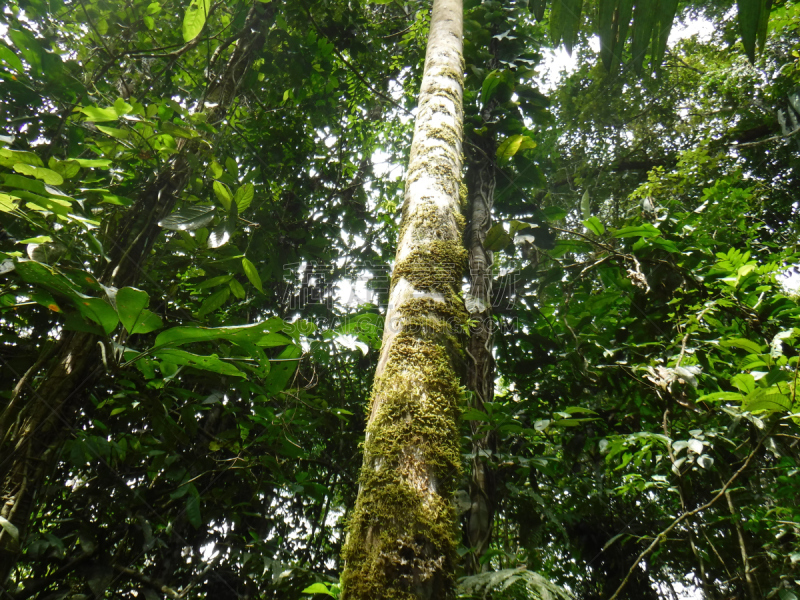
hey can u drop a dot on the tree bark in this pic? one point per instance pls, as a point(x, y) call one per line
point(402, 534)
point(480, 373)
point(39, 416)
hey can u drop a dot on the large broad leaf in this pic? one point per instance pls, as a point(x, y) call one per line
point(624, 13)
point(644, 18)
point(193, 507)
point(97, 114)
point(212, 363)
point(749, 19)
point(42, 173)
point(496, 238)
point(223, 194)
point(213, 302)
point(644, 230)
point(195, 19)
point(605, 27)
point(220, 235)
point(282, 369)
point(188, 218)
point(537, 8)
point(40, 274)
point(586, 204)
point(8, 57)
point(766, 400)
point(133, 313)
point(571, 14)
point(666, 15)
point(244, 196)
point(510, 146)
point(252, 274)
point(178, 336)
point(98, 311)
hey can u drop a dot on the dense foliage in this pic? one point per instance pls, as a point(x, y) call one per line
point(199, 204)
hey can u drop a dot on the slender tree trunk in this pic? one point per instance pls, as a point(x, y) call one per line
point(480, 374)
point(748, 577)
point(402, 534)
point(40, 413)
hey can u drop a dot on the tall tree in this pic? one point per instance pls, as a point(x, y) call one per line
point(401, 539)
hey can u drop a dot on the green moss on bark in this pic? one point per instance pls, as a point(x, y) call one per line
point(412, 464)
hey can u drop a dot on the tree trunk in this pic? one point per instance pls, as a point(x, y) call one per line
point(480, 374)
point(402, 535)
point(39, 417)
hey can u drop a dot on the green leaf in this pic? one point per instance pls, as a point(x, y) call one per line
point(8, 158)
point(744, 344)
point(188, 218)
point(624, 13)
point(605, 28)
point(9, 528)
point(98, 311)
point(193, 507)
point(213, 302)
point(46, 175)
point(766, 400)
point(237, 289)
point(213, 282)
point(490, 83)
point(644, 230)
point(210, 363)
point(39, 274)
point(744, 382)
point(321, 588)
point(12, 60)
point(93, 163)
point(586, 204)
point(571, 16)
point(122, 107)
point(223, 194)
point(515, 226)
point(496, 238)
point(749, 19)
point(195, 19)
point(553, 213)
point(252, 274)
point(594, 225)
point(763, 24)
point(514, 144)
point(178, 336)
point(66, 168)
point(97, 114)
point(721, 396)
point(537, 8)
point(244, 196)
point(8, 203)
point(282, 369)
point(644, 18)
point(42, 239)
point(133, 313)
point(119, 134)
point(221, 234)
point(667, 10)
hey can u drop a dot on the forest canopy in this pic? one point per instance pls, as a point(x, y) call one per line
point(200, 206)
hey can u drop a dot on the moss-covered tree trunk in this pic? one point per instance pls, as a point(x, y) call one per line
point(402, 534)
point(40, 414)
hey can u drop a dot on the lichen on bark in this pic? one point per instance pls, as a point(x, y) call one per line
point(401, 538)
